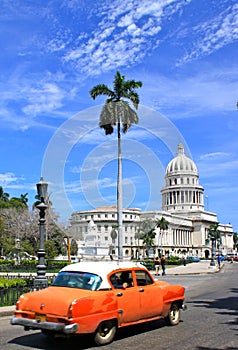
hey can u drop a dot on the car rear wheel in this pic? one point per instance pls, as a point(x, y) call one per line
point(105, 333)
point(173, 317)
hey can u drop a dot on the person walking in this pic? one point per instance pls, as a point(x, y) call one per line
point(156, 265)
point(219, 260)
point(163, 265)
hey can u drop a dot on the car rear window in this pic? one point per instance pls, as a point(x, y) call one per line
point(81, 280)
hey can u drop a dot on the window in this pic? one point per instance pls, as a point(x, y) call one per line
point(106, 228)
point(122, 279)
point(79, 279)
point(142, 278)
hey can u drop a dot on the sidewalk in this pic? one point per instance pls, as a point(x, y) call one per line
point(195, 268)
point(201, 267)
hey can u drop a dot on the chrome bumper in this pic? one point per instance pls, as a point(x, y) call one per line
point(49, 326)
point(184, 307)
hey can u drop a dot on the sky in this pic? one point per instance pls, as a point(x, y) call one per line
point(54, 52)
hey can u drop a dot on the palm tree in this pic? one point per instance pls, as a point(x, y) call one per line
point(145, 231)
point(117, 111)
point(3, 195)
point(235, 240)
point(162, 224)
point(215, 236)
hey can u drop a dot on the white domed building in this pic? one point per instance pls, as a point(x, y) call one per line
point(182, 191)
point(182, 207)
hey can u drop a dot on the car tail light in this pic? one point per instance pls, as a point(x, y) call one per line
point(19, 302)
point(70, 311)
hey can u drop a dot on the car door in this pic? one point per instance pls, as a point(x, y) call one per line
point(150, 295)
point(128, 300)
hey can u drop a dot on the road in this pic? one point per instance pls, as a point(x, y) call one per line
point(210, 323)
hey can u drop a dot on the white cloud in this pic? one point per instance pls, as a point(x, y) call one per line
point(112, 45)
point(214, 34)
point(7, 178)
point(214, 155)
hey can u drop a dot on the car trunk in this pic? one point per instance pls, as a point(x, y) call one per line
point(52, 300)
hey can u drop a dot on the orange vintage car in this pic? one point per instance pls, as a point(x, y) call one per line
point(99, 298)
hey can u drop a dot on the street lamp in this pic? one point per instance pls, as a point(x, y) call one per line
point(41, 281)
point(67, 241)
point(212, 263)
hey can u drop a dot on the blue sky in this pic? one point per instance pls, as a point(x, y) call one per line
point(54, 52)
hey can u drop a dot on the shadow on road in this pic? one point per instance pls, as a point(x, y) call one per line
point(37, 340)
point(230, 304)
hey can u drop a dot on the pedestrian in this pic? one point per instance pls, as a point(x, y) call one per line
point(163, 262)
point(184, 260)
point(156, 265)
point(219, 261)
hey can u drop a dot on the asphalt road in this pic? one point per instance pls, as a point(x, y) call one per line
point(210, 323)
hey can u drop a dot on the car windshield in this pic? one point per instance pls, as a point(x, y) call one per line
point(82, 280)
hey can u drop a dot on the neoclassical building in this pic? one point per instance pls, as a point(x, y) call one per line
point(182, 207)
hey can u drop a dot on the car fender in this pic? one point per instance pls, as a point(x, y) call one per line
point(89, 312)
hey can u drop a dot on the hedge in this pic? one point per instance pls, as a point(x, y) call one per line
point(9, 283)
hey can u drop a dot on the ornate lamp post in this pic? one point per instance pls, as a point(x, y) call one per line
point(41, 280)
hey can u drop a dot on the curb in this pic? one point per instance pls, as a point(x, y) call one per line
point(7, 310)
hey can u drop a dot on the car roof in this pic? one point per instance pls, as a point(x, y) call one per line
point(102, 268)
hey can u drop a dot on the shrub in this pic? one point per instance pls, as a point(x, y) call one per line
point(10, 283)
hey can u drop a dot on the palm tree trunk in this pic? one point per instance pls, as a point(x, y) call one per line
point(119, 191)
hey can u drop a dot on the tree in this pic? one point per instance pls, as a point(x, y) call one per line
point(148, 240)
point(235, 240)
point(50, 249)
point(74, 247)
point(214, 234)
point(3, 195)
point(146, 231)
point(117, 111)
point(162, 224)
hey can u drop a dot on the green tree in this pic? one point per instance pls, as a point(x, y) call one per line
point(214, 235)
point(146, 232)
point(3, 195)
point(116, 112)
point(148, 240)
point(235, 240)
point(162, 224)
point(50, 249)
point(73, 247)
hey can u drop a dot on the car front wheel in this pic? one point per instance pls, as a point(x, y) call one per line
point(105, 333)
point(173, 317)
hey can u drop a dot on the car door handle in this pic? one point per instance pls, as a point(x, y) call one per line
point(141, 290)
point(119, 294)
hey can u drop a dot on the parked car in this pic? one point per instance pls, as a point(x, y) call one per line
point(232, 258)
point(193, 258)
point(99, 298)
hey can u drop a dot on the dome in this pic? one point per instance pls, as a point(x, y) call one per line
point(181, 164)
